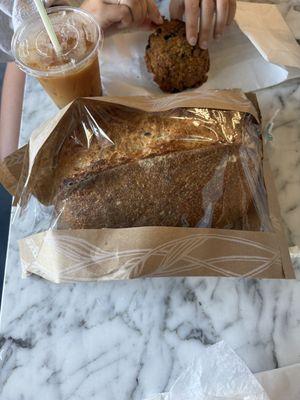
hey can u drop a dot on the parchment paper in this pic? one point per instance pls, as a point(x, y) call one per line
point(281, 383)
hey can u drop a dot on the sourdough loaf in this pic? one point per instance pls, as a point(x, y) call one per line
point(185, 167)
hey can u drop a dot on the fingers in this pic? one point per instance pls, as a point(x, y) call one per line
point(231, 12)
point(125, 17)
point(117, 15)
point(125, 13)
point(137, 9)
point(141, 10)
point(108, 14)
point(222, 9)
point(153, 12)
point(206, 21)
point(144, 9)
point(192, 20)
point(176, 9)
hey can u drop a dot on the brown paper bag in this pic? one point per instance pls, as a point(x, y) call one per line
point(61, 255)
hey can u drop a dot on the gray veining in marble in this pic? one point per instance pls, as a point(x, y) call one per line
point(128, 340)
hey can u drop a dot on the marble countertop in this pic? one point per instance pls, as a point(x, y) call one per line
point(128, 340)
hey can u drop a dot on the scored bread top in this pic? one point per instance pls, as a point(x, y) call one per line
point(122, 135)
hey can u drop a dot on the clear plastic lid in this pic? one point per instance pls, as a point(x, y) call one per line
point(77, 31)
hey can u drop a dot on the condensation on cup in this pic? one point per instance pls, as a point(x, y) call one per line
point(75, 73)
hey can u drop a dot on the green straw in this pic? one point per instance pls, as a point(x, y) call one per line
point(48, 26)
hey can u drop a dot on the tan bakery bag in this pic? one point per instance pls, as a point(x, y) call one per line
point(121, 188)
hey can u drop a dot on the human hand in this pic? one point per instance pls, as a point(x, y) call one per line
point(214, 16)
point(121, 14)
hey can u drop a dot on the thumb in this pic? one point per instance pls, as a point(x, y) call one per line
point(113, 14)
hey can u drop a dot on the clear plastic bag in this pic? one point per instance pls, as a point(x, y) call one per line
point(113, 166)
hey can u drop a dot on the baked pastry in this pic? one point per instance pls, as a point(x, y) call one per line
point(174, 63)
point(176, 168)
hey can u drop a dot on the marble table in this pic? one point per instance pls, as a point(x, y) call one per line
point(127, 340)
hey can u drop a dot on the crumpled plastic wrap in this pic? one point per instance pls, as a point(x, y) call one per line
point(219, 374)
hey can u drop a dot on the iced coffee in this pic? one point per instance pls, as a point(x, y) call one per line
point(73, 73)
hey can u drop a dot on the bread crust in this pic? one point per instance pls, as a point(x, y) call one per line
point(176, 168)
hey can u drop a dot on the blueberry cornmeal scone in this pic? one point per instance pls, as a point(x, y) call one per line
point(175, 64)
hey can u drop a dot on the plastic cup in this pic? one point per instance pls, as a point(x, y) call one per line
point(76, 73)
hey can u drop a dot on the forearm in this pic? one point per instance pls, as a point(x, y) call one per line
point(11, 109)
